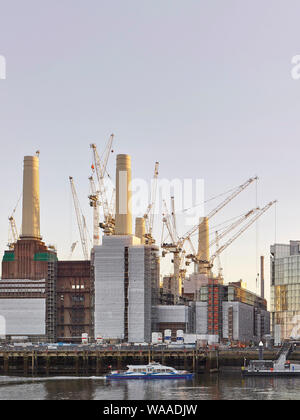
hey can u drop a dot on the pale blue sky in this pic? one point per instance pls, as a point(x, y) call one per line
point(204, 87)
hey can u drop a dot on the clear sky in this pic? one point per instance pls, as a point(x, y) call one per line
point(204, 87)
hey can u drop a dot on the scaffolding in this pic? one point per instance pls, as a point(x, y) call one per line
point(51, 302)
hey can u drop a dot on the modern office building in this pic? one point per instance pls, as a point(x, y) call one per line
point(285, 290)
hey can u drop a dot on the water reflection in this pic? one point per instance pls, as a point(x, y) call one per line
point(229, 386)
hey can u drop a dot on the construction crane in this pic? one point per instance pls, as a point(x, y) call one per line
point(241, 231)
point(80, 221)
point(175, 247)
point(219, 236)
point(13, 235)
point(94, 203)
point(219, 266)
point(100, 167)
point(233, 226)
point(203, 228)
point(149, 215)
point(224, 203)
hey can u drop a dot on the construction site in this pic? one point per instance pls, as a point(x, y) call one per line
point(116, 293)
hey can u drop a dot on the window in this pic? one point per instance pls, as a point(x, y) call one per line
point(78, 298)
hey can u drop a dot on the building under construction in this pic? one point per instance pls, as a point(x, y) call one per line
point(40, 297)
point(126, 273)
point(73, 303)
point(116, 294)
point(25, 265)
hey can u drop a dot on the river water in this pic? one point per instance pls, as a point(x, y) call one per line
point(224, 386)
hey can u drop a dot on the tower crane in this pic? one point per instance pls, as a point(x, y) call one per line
point(175, 247)
point(203, 229)
point(80, 221)
point(220, 236)
point(149, 215)
point(220, 269)
point(100, 167)
point(94, 203)
point(14, 232)
point(235, 193)
point(233, 226)
point(241, 231)
point(13, 235)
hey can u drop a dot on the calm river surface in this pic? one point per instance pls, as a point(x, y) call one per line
point(225, 386)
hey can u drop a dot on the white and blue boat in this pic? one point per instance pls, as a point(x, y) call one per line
point(151, 371)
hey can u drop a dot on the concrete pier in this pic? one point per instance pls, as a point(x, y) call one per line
point(98, 362)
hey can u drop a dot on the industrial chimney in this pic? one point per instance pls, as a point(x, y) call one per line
point(31, 199)
point(123, 196)
point(140, 229)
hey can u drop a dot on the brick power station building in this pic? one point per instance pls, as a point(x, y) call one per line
point(40, 297)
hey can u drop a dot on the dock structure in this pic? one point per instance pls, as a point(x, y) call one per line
point(280, 366)
point(89, 361)
point(85, 362)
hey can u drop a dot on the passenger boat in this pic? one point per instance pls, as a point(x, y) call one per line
point(151, 371)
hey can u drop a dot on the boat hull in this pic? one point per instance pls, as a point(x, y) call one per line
point(150, 377)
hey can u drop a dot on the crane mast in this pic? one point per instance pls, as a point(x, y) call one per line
point(108, 224)
point(220, 269)
point(175, 247)
point(149, 215)
point(80, 221)
point(14, 232)
point(94, 203)
point(14, 235)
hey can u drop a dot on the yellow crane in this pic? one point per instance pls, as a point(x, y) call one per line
point(94, 203)
point(175, 247)
point(13, 234)
point(99, 194)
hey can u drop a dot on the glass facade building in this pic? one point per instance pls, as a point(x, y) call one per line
point(285, 290)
